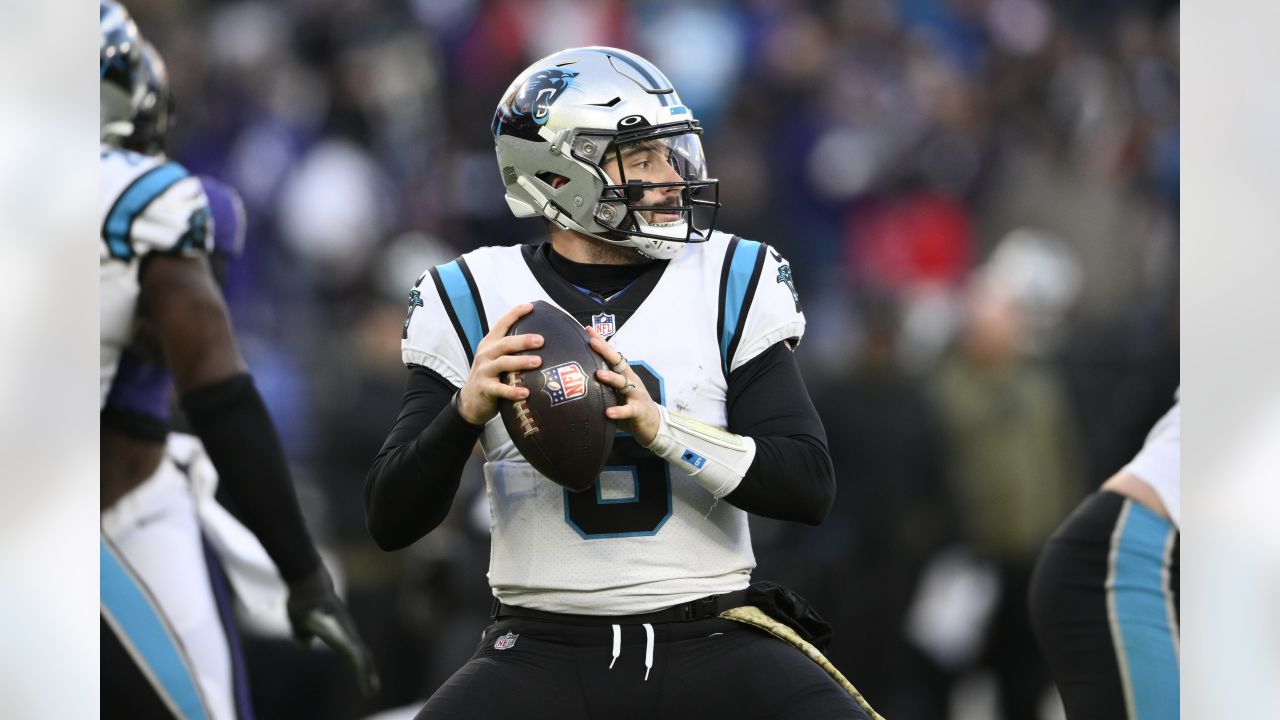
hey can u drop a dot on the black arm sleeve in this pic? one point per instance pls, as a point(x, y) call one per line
point(232, 422)
point(415, 476)
point(791, 477)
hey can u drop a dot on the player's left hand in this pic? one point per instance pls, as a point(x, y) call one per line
point(315, 611)
point(637, 413)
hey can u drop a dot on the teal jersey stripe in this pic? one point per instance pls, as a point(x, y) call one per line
point(141, 193)
point(1150, 649)
point(464, 305)
point(132, 613)
point(735, 293)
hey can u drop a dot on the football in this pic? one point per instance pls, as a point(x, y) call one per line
point(561, 428)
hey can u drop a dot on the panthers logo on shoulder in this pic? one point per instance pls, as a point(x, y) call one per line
point(784, 276)
point(199, 230)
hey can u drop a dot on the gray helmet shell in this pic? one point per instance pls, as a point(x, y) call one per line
point(121, 82)
point(564, 113)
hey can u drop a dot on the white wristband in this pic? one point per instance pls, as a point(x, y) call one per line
point(717, 459)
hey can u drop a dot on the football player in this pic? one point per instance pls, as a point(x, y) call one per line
point(165, 650)
point(615, 602)
point(1104, 597)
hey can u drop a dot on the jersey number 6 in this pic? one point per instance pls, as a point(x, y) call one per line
point(632, 497)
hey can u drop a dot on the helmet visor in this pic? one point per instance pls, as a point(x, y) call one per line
point(655, 159)
point(659, 175)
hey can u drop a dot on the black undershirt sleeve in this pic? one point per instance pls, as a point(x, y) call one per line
point(237, 432)
point(415, 476)
point(791, 477)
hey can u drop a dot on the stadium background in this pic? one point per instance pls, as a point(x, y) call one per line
point(979, 199)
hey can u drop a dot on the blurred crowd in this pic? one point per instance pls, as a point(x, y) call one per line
point(979, 199)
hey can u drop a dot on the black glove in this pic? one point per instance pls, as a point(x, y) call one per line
point(316, 611)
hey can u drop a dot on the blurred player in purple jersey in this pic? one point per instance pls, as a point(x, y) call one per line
point(168, 646)
point(141, 395)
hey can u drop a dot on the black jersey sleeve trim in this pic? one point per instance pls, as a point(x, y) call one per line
point(475, 296)
point(117, 226)
point(453, 316)
point(743, 262)
point(724, 281)
point(461, 298)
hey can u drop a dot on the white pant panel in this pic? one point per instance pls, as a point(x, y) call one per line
point(154, 527)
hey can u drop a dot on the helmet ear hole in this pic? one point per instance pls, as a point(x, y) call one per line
point(555, 180)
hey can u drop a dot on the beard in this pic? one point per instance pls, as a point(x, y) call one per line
point(651, 216)
point(599, 252)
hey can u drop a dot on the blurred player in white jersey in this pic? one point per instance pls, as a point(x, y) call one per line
point(1105, 598)
point(167, 640)
point(612, 602)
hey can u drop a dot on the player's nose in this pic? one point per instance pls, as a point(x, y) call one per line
point(667, 173)
point(664, 194)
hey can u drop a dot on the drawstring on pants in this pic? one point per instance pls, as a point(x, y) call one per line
point(617, 645)
point(648, 650)
point(648, 647)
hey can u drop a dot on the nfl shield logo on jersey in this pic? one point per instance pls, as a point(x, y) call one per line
point(603, 324)
point(564, 383)
point(506, 642)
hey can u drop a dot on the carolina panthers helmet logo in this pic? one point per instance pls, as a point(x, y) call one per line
point(539, 91)
point(530, 106)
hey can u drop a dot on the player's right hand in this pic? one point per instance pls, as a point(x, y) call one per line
point(478, 398)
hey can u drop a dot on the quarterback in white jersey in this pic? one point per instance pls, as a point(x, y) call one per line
point(564, 552)
point(650, 570)
point(1157, 468)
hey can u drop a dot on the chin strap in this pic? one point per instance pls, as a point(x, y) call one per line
point(115, 131)
point(546, 208)
point(654, 249)
point(716, 459)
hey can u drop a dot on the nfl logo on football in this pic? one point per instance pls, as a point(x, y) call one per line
point(506, 642)
point(564, 383)
point(603, 324)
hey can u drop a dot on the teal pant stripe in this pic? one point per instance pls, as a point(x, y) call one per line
point(464, 304)
point(1150, 648)
point(132, 613)
point(735, 293)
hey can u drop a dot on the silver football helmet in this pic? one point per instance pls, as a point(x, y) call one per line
point(571, 115)
point(122, 84)
point(154, 117)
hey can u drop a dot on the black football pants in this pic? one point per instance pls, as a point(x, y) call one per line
point(705, 669)
point(1105, 607)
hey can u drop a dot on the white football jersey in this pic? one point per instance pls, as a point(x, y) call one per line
point(149, 204)
point(647, 536)
point(1159, 462)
